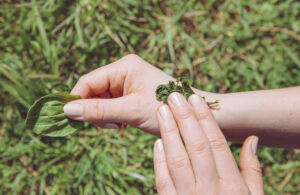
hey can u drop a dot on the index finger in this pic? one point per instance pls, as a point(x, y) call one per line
point(106, 79)
point(196, 142)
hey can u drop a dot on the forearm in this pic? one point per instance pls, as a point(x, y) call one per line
point(272, 115)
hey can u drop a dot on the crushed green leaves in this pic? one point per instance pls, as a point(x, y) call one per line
point(182, 86)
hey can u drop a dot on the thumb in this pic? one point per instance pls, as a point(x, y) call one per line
point(250, 167)
point(116, 110)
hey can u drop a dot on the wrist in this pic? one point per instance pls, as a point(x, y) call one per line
point(209, 96)
point(218, 112)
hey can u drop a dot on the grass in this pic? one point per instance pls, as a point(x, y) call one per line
point(45, 46)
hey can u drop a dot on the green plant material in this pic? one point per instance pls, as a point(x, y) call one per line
point(46, 116)
point(249, 57)
point(182, 86)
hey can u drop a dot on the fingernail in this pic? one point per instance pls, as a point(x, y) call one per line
point(110, 126)
point(195, 100)
point(73, 110)
point(177, 99)
point(159, 145)
point(254, 145)
point(165, 112)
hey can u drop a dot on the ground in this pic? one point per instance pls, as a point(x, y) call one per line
point(45, 46)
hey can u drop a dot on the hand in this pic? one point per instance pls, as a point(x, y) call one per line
point(123, 91)
point(203, 162)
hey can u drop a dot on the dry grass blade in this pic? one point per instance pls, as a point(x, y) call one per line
point(114, 37)
point(3, 128)
point(277, 29)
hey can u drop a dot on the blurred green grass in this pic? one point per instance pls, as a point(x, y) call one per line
point(45, 46)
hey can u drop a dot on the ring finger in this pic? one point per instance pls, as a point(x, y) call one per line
point(197, 144)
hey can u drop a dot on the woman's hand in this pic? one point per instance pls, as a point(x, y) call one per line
point(193, 156)
point(123, 91)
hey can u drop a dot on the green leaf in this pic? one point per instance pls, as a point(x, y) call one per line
point(46, 116)
point(182, 86)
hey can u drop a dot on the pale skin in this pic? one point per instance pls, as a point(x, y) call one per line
point(202, 163)
point(124, 91)
point(128, 86)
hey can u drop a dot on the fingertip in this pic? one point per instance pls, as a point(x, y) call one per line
point(159, 156)
point(250, 144)
point(157, 110)
point(73, 109)
point(158, 151)
point(163, 181)
point(254, 144)
point(249, 149)
point(176, 99)
point(82, 89)
point(250, 166)
point(158, 145)
point(194, 98)
point(111, 126)
point(198, 103)
point(164, 112)
point(73, 91)
point(81, 93)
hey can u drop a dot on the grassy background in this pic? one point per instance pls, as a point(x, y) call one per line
point(223, 46)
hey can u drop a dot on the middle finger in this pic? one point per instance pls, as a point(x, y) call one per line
point(195, 140)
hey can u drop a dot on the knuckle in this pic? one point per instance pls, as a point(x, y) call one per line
point(179, 162)
point(184, 113)
point(199, 147)
point(218, 144)
point(202, 113)
point(169, 130)
point(255, 169)
point(131, 58)
point(158, 161)
point(162, 183)
point(250, 166)
point(100, 110)
point(131, 61)
point(83, 79)
point(169, 127)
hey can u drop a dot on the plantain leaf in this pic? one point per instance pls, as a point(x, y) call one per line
point(46, 116)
